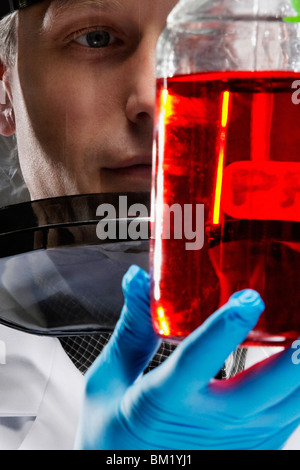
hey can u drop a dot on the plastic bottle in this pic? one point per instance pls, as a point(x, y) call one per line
point(226, 191)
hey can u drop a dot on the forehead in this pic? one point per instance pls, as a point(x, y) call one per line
point(62, 5)
point(50, 13)
point(59, 7)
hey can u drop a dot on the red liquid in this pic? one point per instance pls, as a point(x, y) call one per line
point(230, 141)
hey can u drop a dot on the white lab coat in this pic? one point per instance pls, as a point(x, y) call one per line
point(255, 355)
point(40, 393)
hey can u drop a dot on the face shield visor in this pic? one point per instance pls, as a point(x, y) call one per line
point(50, 253)
point(61, 270)
point(58, 277)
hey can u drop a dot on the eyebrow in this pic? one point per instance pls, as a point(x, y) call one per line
point(57, 8)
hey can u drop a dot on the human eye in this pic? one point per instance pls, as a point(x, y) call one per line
point(96, 38)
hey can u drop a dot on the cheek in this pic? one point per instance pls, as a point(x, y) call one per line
point(38, 107)
point(89, 107)
point(63, 109)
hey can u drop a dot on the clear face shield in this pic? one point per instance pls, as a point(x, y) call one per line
point(62, 259)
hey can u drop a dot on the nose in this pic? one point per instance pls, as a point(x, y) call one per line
point(141, 78)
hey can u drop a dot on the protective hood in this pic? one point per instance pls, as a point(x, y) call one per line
point(9, 6)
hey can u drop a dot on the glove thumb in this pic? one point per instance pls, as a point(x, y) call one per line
point(133, 343)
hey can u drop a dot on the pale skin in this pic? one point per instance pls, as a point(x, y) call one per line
point(83, 115)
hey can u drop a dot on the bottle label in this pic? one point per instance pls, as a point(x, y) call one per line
point(264, 190)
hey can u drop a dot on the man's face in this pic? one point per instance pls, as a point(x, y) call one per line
point(83, 94)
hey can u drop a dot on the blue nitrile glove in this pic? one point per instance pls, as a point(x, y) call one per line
point(179, 405)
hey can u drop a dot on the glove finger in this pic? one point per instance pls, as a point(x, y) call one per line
point(200, 356)
point(266, 384)
point(133, 343)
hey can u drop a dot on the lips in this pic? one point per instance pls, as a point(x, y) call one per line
point(140, 170)
point(132, 162)
point(133, 166)
point(127, 175)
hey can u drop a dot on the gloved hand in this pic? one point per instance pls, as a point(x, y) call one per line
point(179, 405)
